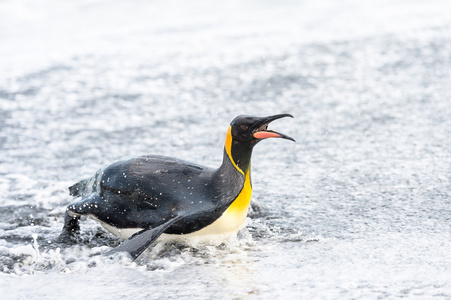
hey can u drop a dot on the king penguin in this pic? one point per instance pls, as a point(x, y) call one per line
point(141, 198)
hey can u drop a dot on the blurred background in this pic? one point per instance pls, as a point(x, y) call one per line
point(359, 207)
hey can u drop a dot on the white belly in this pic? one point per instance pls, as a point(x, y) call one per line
point(224, 228)
point(122, 233)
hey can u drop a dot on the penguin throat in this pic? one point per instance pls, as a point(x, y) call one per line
point(239, 155)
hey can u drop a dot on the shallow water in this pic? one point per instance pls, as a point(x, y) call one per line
point(359, 207)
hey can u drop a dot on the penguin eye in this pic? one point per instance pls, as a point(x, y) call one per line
point(244, 127)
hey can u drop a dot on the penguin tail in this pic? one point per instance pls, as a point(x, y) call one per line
point(77, 189)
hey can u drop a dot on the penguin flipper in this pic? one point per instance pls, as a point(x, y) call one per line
point(140, 241)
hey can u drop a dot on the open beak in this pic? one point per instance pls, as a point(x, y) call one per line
point(261, 131)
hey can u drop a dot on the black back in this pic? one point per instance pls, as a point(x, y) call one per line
point(146, 191)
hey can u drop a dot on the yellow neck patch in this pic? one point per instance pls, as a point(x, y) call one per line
point(237, 211)
point(228, 148)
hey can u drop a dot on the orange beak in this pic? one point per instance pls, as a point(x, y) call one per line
point(261, 132)
point(266, 134)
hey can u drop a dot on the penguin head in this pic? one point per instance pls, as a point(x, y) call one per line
point(251, 130)
point(244, 133)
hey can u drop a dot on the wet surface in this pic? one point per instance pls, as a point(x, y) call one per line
point(359, 207)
